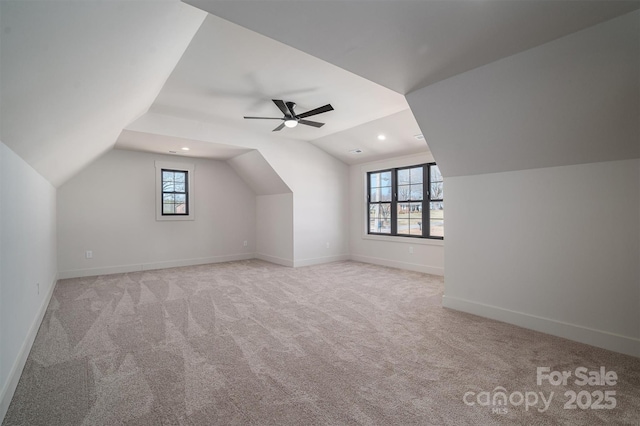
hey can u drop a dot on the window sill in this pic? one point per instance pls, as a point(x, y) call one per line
point(404, 240)
point(174, 218)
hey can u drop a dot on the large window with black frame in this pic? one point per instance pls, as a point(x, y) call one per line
point(175, 192)
point(406, 201)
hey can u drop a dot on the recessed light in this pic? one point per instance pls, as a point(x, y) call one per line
point(184, 148)
point(381, 137)
point(355, 151)
point(419, 137)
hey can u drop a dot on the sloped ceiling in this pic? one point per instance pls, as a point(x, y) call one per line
point(406, 44)
point(228, 72)
point(573, 101)
point(258, 174)
point(74, 74)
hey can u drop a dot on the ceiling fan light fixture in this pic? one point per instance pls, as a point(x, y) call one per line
point(291, 123)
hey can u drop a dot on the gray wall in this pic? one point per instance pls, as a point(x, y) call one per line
point(539, 152)
point(109, 208)
point(27, 263)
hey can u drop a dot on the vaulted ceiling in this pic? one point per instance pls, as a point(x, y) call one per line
point(76, 76)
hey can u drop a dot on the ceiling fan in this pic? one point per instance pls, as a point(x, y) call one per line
point(291, 119)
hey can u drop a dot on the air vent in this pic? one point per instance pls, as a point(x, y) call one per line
point(355, 151)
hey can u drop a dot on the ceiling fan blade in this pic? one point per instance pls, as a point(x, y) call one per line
point(280, 127)
point(311, 123)
point(264, 118)
point(280, 104)
point(319, 110)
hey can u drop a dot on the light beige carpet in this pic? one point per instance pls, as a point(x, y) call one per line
point(255, 343)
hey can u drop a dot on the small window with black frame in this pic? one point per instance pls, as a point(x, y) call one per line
point(175, 192)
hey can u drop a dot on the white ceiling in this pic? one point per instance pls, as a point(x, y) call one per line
point(75, 74)
point(399, 129)
point(162, 144)
point(228, 72)
point(407, 44)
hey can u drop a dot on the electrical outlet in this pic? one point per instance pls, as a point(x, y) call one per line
point(410, 250)
point(89, 254)
point(245, 243)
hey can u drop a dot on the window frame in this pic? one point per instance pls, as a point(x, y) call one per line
point(425, 202)
point(190, 178)
point(185, 192)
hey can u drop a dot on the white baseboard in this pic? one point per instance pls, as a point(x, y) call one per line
point(433, 270)
point(319, 260)
point(274, 259)
point(153, 265)
point(16, 370)
point(602, 339)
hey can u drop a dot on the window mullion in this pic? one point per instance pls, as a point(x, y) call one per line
point(394, 202)
point(426, 201)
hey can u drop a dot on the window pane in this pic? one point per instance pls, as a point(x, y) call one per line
point(403, 213)
point(179, 187)
point(409, 218)
point(437, 219)
point(437, 229)
point(416, 192)
point(373, 218)
point(384, 224)
point(385, 194)
point(403, 226)
point(403, 177)
point(167, 176)
point(181, 208)
point(168, 198)
point(180, 198)
point(437, 191)
point(404, 192)
point(375, 194)
point(375, 180)
point(179, 176)
point(168, 186)
point(435, 173)
point(416, 175)
point(168, 208)
point(385, 179)
point(415, 210)
point(380, 218)
point(415, 226)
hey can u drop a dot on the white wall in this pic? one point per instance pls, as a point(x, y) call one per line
point(274, 228)
point(320, 185)
point(109, 208)
point(427, 256)
point(554, 249)
point(319, 182)
point(539, 152)
point(27, 258)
